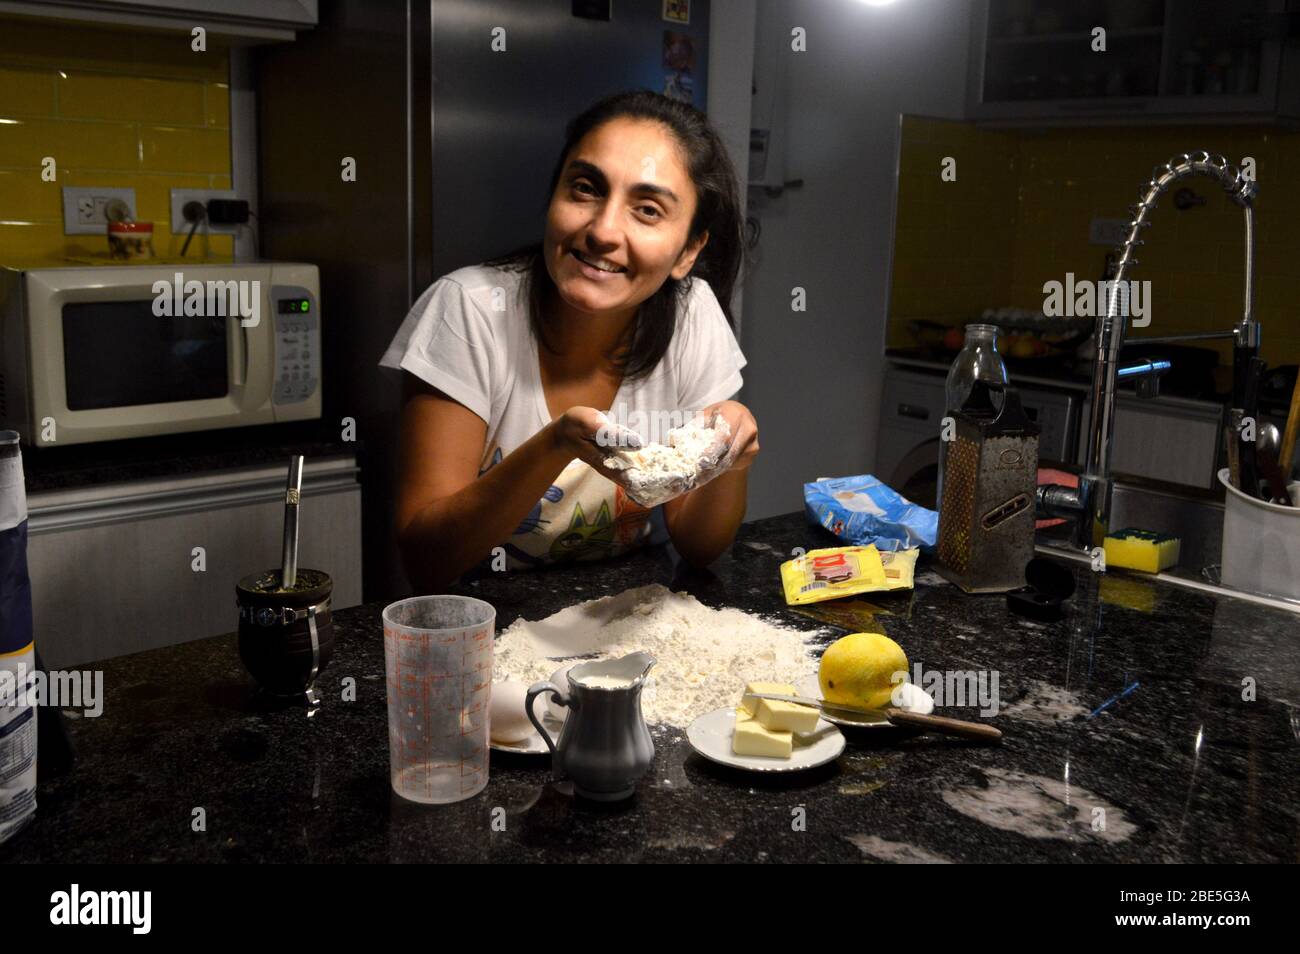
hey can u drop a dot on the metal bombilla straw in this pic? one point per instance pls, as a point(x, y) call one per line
point(292, 494)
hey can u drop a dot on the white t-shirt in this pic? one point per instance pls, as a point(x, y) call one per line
point(468, 336)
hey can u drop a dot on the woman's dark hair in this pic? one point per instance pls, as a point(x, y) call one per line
point(718, 211)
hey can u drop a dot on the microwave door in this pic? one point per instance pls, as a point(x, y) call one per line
point(119, 354)
point(251, 341)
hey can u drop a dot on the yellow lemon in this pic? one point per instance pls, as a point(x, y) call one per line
point(858, 670)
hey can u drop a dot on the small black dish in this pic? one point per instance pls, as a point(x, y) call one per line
point(1050, 585)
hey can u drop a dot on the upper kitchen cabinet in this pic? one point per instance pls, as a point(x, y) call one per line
point(234, 21)
point(1041, 62)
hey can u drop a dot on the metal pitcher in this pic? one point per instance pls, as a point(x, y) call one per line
point(605, 745)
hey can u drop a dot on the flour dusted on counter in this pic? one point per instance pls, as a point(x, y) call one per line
point(659, 472)
point(705, 655)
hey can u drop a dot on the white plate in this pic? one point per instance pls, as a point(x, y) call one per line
point(534, 744)
point(915, 699)
point(710, 735)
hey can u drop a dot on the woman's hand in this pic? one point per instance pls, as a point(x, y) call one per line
point(703, 522)
point(742, 448)
point(592, 437)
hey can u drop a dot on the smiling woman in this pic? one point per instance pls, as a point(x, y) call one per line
point(516, 368)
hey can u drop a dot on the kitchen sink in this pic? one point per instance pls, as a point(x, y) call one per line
point(1182, 512)
point(1193, 515)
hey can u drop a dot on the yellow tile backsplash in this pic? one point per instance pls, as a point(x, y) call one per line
point(26, 92)
point(216, 106)
point(180, 148)
point(1019, 211)
point(130, 98)
point(112, 108)
point(24, 144)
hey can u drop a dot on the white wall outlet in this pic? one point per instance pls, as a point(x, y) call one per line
point(181, 196)
point(1107, 231)
point(83, 208)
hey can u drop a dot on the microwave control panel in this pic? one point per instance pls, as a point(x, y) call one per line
point(297, 344)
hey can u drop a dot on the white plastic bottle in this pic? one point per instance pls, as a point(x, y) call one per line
point(17, 649)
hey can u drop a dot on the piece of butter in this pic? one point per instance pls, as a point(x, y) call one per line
point(749, 703)
point(742, 715)
point(785, 716)
point(750, 738)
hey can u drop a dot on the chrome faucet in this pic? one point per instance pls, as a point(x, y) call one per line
point(1089, 503)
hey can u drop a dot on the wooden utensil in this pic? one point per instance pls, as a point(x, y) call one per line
point(1286, 455)
point(972, 731)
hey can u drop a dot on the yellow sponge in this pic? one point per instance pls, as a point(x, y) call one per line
point(1141, 550)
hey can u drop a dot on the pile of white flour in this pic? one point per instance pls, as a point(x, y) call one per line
point(705, 656)
point(659, 472)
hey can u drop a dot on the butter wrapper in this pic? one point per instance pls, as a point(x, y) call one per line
point(831, 573)
point(900, 568)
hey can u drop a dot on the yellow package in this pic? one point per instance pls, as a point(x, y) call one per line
point(900, 567)
point(831, 573)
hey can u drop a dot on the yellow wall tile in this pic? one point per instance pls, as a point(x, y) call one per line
point(24, 196)
point(26, 92)
point(24, 143)
point(182, 149)
point(153, 194)
point(27, 241)
point(217, 104)
point(101, 96)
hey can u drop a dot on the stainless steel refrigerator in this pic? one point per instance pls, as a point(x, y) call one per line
point(452, 139)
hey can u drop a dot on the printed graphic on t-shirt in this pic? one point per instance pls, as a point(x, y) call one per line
point(582, 516)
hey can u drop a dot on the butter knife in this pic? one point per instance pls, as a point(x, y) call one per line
point(973, 731)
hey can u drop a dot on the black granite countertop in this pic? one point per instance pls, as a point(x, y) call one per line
point(81, 465)
point(1127, 738)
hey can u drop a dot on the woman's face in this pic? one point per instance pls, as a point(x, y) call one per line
point(624, 200)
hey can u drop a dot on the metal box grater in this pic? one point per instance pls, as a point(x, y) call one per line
point(986, 516)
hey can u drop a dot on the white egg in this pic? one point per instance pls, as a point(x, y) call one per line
point(561, 678)
point(507, 720)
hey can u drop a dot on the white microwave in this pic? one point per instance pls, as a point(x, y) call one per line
point(109, 352)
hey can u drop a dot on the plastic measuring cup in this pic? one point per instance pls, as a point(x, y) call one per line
point(438, 658)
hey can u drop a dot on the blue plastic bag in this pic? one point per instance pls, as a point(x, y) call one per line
point(861, 510)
